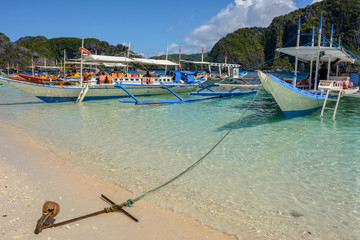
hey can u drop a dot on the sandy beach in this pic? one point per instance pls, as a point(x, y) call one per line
point(31, 174)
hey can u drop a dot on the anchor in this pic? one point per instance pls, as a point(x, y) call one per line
point(51, 210)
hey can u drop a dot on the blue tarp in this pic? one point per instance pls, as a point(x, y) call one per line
point(354, 78)
point(186, 76)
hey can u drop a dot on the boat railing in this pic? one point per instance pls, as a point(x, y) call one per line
point(333, 85)
point(136, 80)
point(339, 78)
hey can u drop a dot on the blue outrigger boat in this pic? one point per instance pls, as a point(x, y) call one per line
point(184, 76)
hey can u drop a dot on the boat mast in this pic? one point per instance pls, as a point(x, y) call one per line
point(81, 63)
point(312, 57)
point(32, 66)
point(331, 39)
point(297, 58)
point(202, 58)
point(339, 41)
point(166, 58)
point(318, 55)
point(64, 62)
point(128, 55)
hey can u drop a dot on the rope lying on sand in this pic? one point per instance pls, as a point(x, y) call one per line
point(48, 211)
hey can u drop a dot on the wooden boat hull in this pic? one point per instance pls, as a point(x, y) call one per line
point(35, 79)
point(50, 93)
point(291, 100)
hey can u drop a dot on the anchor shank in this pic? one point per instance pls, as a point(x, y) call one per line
point(75, 219)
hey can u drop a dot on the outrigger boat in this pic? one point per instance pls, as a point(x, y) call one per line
point(297, 98)
point(93, 89)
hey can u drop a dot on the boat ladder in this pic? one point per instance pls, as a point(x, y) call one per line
point(83, 93)
point(327, 98)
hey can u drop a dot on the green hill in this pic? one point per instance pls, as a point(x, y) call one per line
point(248, 46)
point(40, 49)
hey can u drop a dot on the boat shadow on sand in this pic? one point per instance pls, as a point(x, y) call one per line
point(263, 111)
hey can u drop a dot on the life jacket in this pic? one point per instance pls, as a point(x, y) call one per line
point(109, 78)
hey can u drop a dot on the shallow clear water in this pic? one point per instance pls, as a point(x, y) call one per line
point(272, 178)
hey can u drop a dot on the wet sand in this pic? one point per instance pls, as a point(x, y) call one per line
point(31, 174)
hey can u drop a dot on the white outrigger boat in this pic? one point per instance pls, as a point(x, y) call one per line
point(298, 98)
point(231, 79)
point(92, 90)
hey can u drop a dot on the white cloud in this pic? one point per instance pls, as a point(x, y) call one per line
point(241, 13)
point(173, 47)
point(315, 1)
point(174, 26)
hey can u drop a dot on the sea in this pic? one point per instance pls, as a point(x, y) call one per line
point(271, 178)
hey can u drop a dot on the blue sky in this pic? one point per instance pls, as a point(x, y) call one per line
point(149, 25)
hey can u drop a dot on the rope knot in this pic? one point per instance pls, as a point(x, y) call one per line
point(109, 209)
point(130, 203)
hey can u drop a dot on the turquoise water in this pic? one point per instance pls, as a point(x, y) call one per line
point(272, 178)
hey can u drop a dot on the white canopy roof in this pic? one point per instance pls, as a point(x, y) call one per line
point(306, 53)
point(108, 59)
point(213, 64)
point(148, 61)
point(45, 67)
point(114, 65)
point(84, 63)
point(112, 59)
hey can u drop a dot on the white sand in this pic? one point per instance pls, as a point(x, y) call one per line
point(31, 174)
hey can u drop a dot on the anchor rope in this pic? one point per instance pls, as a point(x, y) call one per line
point(130, 202)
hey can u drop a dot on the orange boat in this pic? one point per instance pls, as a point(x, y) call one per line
point(36, 79)
point(41, 80)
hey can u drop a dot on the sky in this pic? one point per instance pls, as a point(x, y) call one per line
point(150, 26)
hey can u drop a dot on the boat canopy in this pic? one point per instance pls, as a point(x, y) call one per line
point(147, 61)
point(114, 65)
point(45, 67)
point(84, 63)
point(108, 59)
point(306, 53)
point(212, 64)
point(113, 59)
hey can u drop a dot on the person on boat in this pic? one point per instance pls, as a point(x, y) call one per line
point(102, 78)
point(85, 76)
point(323, 72)
point(73, 69)
point(108, 78)
point(335, 64)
